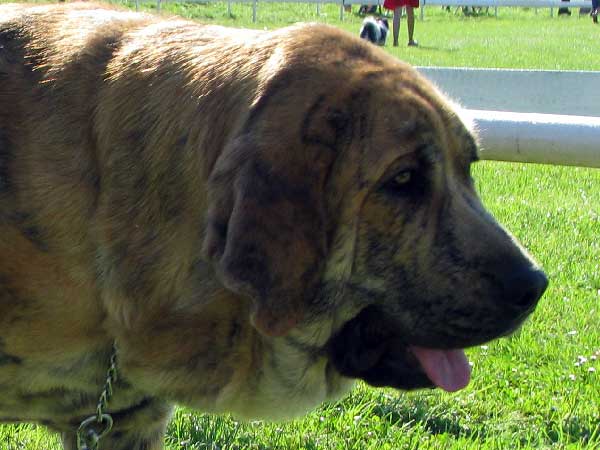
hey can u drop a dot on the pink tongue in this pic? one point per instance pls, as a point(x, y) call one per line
point(448, 369)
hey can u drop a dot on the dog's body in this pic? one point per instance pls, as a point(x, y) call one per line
point(375, 30)
point(239, 224)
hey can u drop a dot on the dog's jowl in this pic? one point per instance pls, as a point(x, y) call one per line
point(237, 217)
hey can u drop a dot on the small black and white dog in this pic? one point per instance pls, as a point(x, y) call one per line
point(374, 29)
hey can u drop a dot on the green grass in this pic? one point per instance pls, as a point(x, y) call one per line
point(530, 391)
point(517, 38)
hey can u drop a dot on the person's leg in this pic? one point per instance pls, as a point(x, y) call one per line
point(594, 13)
point(396, 24)
point(410, 22)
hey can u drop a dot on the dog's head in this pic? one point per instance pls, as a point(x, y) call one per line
point(351, 205)
point(374, 30)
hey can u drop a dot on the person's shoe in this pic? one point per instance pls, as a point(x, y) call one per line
point(413, 44)
point(594, 15)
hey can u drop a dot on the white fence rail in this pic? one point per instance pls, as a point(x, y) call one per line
point(534, 116)
point(513, 3)
point(533, 91)
point(538, 138)
point(507, 3)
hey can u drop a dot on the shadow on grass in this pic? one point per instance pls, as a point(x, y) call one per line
point(438, 49)
point(436, 421)
point(396, 413)
point(421, 47)
point(573, 430)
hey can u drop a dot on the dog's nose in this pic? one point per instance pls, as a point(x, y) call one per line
point(525, 287)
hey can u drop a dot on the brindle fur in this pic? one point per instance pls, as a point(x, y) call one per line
point(220, 204)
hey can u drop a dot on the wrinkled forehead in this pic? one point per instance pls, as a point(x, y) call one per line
point(414, 121)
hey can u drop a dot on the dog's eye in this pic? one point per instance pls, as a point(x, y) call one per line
point(403, 177)
point(405, 182)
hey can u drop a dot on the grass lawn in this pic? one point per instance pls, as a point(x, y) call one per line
point(517, 38)
point(538, 389)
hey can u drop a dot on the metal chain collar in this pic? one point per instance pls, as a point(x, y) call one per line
point(95, 427)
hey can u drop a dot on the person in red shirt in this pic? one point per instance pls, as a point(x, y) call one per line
point(396, 6)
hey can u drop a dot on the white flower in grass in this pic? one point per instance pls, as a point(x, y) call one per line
point(572, 333)
point(592, 369)
point(581, 360)
point(572, 377)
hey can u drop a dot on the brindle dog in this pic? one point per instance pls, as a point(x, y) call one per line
point(246, 216)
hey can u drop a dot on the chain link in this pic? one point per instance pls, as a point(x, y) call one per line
point(95, 427)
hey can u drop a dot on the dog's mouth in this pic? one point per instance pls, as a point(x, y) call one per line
point(366, 348)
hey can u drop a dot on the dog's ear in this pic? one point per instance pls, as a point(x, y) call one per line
point(266, 231)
